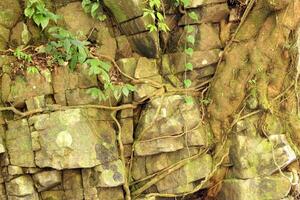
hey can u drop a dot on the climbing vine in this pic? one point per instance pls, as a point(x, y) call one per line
point(94, 8)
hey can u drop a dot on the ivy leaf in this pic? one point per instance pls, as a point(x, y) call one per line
point(189, 51)
point(29, 11)
point(189, 66)
point(94, 92)
point(94, 8)
point(193, 16)
point(125, 91)
point(151, 28)
point(117, 93)
point(187, 83)
point(190, 29)
point(154, 3)
point(160, 17)
point(130, 87)
point(106, 66)
point(191, 39)
point(32, 70)
point(189, 100)
point(186, 3)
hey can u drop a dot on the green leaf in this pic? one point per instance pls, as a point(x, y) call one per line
point(94, 92)
point(189, 51)
point(187, 83)
point(130, 87)
point(193, 16)
point(151, 28)
point(160, 17)
point(189, 66)
point(117, 93)
point(125, 91)
point(106, 66)
point(32, 70)
point(29, 11)
point(189, 100)
point(186, 3)
point(190, 29)
point(191, 39)
point(94, 8)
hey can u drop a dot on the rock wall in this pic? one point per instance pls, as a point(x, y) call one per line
point(58, 146)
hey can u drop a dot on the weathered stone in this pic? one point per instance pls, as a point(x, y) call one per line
point(174, 117)
point(76, 20)
point(253, 156)
point(192, 171)
point(46, 180)
point(269, 187)
point(18, 142)
point(175, 62)
point(64, 79)
point(139, 167)
point(34, 103)
point(197, 3)
point(127, 130)
point(128, 66)
point(72, 184)
point(4, 37)
point(20, 186)
point(124, 49)
point(212, 13)
point(2, 146)
point(277, 4)
point(161, 161)
point(71, 139)
point(115, 193)
point(125, 10)
point(35, 141)
point(145, 44)
point(106, 175)
point(10, 12)
point(53, 195)
point(144, 148)
point(107, 43)
point(16, 38)
point(146, 68)
point(3, 195)
point(272, 125)
point(33, 85)
point(136, 25)
point(14, 170)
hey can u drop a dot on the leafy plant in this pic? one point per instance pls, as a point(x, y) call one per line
point(37, 10)
point(158, 17)
point(94, 8)
point(66, 48)
point(32, 70)
point(18, 53)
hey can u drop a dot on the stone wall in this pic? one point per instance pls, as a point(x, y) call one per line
point(62, 149)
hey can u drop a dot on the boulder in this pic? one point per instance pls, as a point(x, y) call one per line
point(10, 12)
point(125, 10)
point(265, 187)
point(46, 180)
point(72, 184)
point(253, 156)
point(106, 175)
point(71, 139)
point(20, 186)
point(18, 141)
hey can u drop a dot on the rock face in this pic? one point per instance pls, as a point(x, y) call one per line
point(64, 148)
point(70, 139)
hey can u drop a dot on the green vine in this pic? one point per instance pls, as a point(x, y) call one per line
point(36, 10)
point(157, 17)
point(94, 8)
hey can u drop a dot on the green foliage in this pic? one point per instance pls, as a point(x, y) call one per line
point(32, 70)
point(93, 8)
point(193, 16)
point(189, 100)
point(18, 53)
point(156, 16)
point(37, 10)
point(66, 48)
